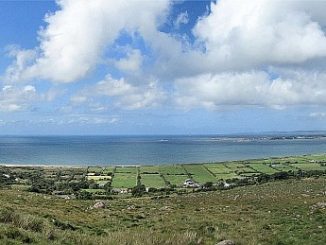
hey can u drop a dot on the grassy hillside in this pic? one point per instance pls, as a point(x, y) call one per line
point(281, 212)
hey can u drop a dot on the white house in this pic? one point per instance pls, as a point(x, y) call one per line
point(190, 183)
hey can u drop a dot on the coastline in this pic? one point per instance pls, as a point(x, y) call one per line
point(41, 165)
point(81, 165)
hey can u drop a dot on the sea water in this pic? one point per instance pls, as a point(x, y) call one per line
point(134, 150)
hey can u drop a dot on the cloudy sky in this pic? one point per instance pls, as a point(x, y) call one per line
point(162, 67)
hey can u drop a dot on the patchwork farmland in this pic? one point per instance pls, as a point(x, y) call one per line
point(100, 181)
point(164, 176)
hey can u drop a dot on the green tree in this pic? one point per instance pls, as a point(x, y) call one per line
point(138, 190)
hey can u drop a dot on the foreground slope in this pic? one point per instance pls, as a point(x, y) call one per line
point(280, 212)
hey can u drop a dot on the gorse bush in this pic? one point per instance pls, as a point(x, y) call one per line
point(24, 221)
point(13, 235)
point(138, 190)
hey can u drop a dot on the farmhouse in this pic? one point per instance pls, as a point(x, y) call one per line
point(189, 183)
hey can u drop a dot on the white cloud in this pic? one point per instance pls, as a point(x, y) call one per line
point(124, 95)
point(242, 40)
point(181, 19)
point(132, 63)
point(149, 97)
point(71, 119)
point(90, 120)
point(234, 45)
point(129, 96)
point(51, 94)
point(29, 89)
point(22, 59)
point(78, 99)
point(252, 88)
point(261, 32)
point(76, 35)
point(114, 87)
point(13, 98)
point(242, 36)
point(318, 115)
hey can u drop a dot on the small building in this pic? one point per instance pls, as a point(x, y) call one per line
point(189, 183)
point(226, 185)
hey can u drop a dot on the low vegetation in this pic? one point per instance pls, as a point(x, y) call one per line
point(280, 212)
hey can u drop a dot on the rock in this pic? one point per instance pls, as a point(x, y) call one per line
point(50, 235)
point(165, 208)
point(140, 216)
point(236, 197)
point(99, 205)
point(226, 242)
point(319, 205)
point(132, 207)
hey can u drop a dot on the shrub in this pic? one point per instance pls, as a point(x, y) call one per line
point(24, 221)
point(208, 185)
point(152, 189)
point(138, 190)
point(41, 185)
point(83, 195)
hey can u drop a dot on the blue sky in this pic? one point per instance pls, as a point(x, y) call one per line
point(162, 67)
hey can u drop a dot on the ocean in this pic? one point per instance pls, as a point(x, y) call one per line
point(134, 150)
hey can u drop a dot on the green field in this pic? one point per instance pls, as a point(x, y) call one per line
point(199, 173)
point(108, 170)
point(171, 169)
point(95, 169)
point(177, 180)
point(263, 168)
point(149, 169)
point(309, 166)
point(240, 168)
point(318, 158)
point(152, 180)
point(128, 169)
point(226, 176)
point(284, 167)
point(218, 168)
point(235, 165)
point(288, 160)
point(124, 180)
